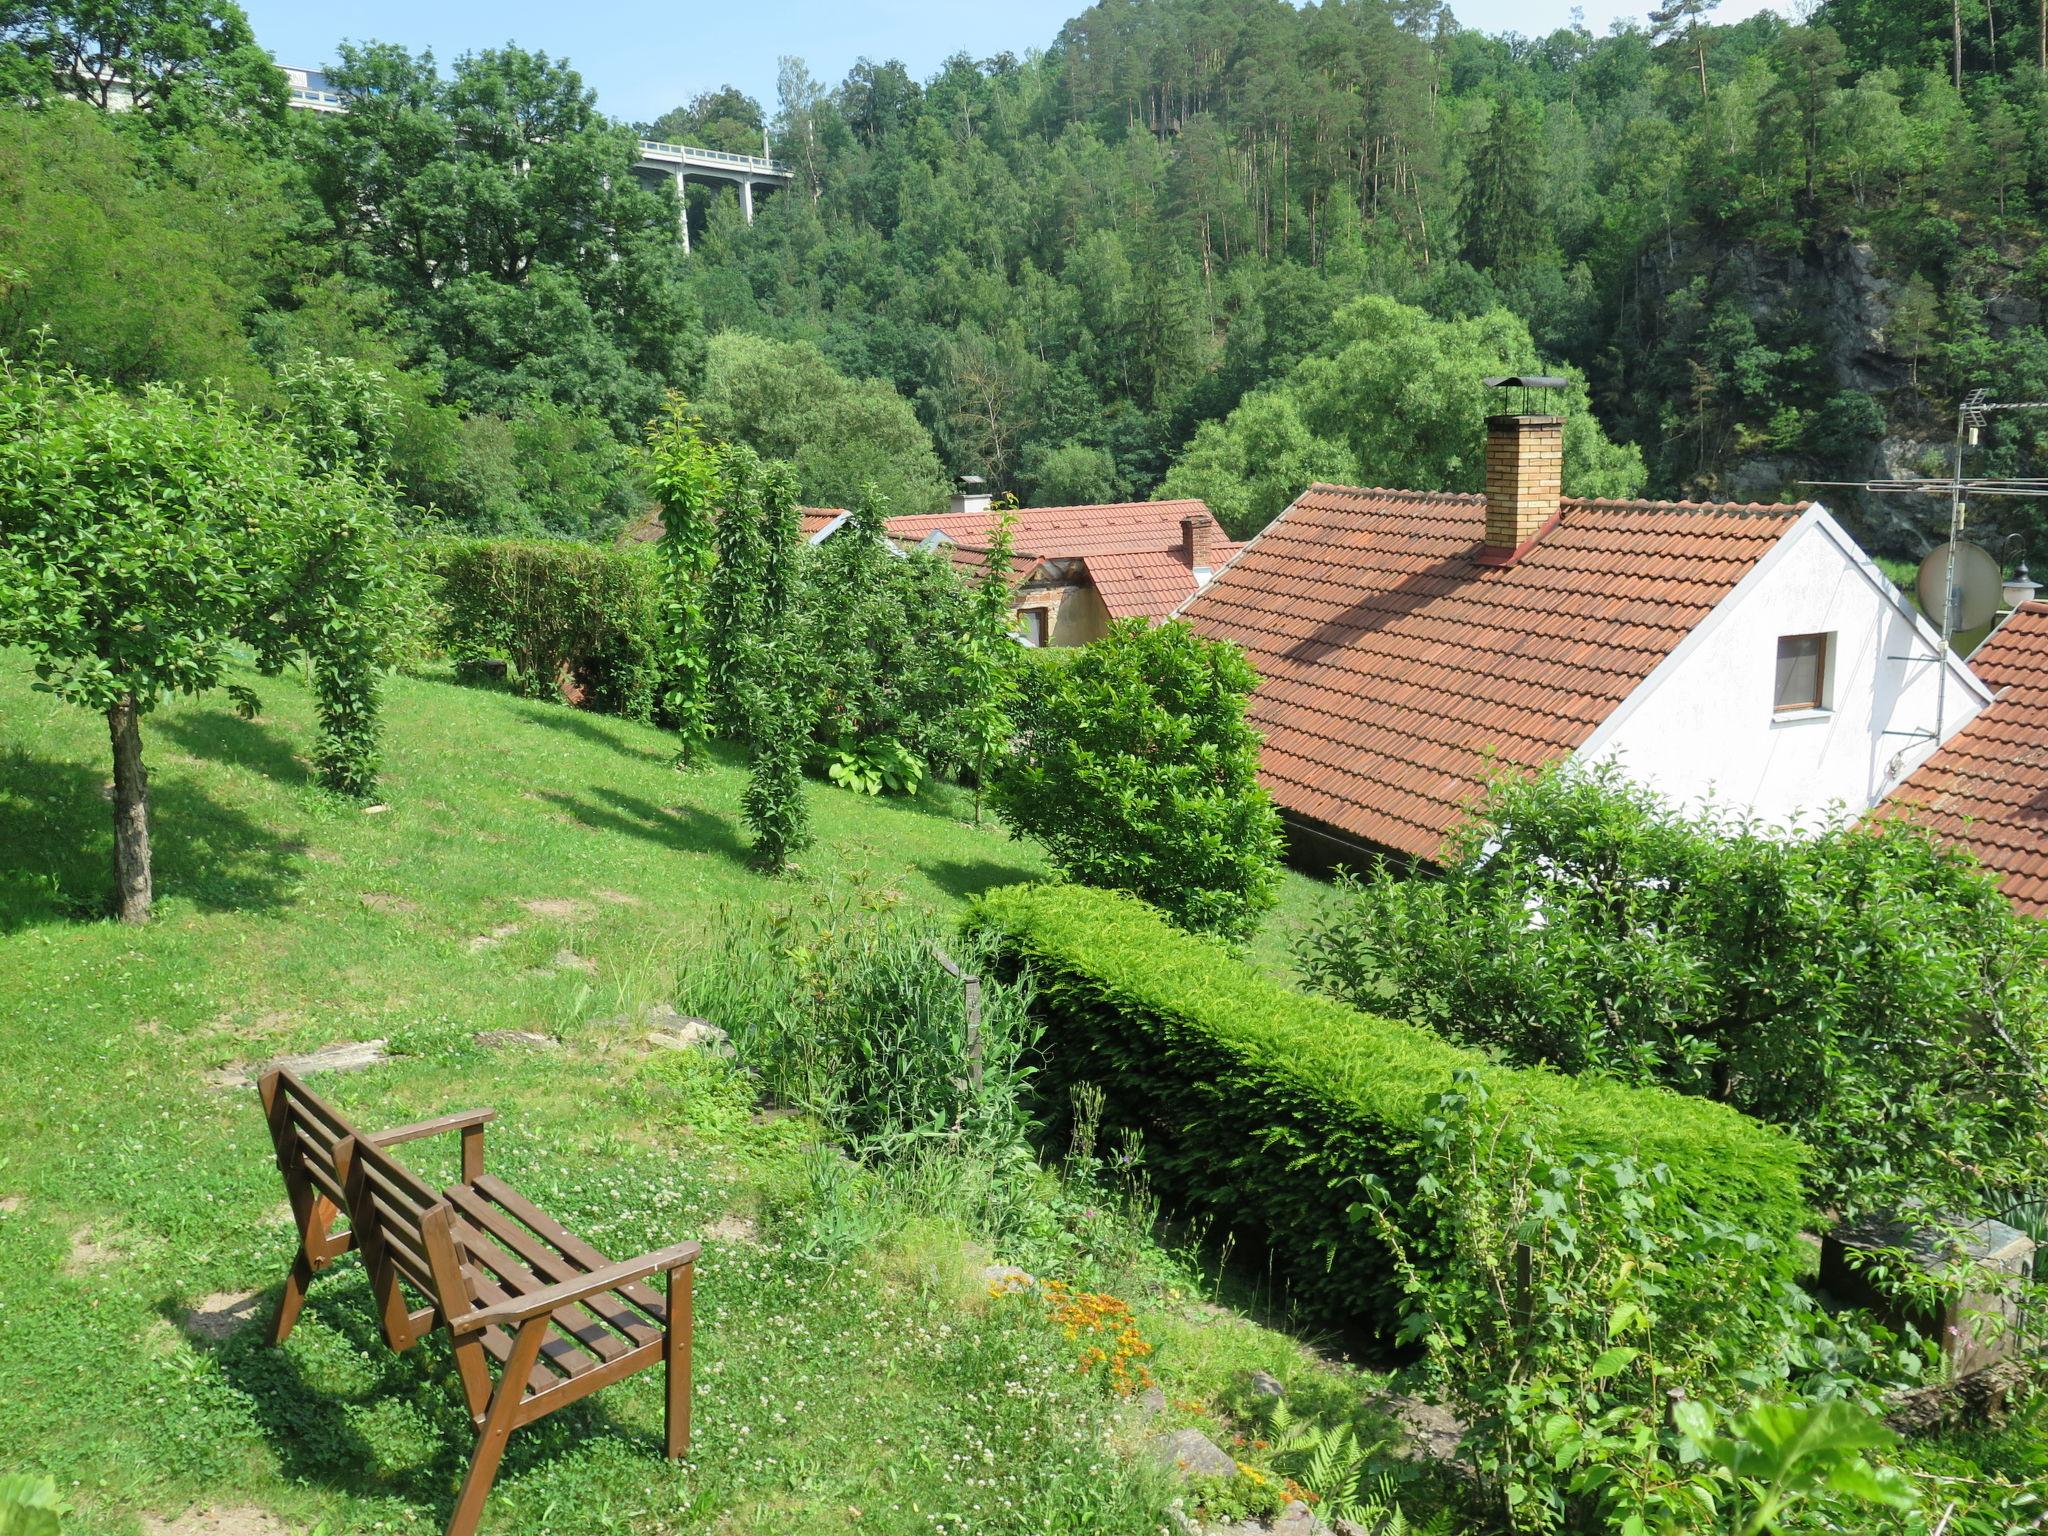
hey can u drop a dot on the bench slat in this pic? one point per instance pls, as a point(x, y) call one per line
point(554, 1267)
point(575, 1247)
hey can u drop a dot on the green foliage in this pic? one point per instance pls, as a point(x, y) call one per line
point(1282, 1114)
point(683, 473)
point(499, 214)
point(341, 412)
point(770, 665)
point(178, 65)
point(1786, 1463)
point(554, 610)
point(881, 637)
point(1868, 989)
point(847, 1015)
point(733, 602)
point(840, 435)
point(143, 538)
point(136, 276)
point(1134, 767)
point(876, 765)
point(986, 665)
point(1565, 1300)
point(29, 1505)
point(1394, 399)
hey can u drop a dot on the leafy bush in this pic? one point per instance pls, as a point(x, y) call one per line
point(549, 607)
point(1135, 768)
point(1566, 1299)
point(882, 639)
point(1868, 989)
point(1281, 1112)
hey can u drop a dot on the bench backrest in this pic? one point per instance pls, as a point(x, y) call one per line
point(309, 1134)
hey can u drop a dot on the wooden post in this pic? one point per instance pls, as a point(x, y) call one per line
point(970, 987)
point(970, 1002)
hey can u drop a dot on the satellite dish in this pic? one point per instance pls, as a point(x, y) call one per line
point(1979, 585)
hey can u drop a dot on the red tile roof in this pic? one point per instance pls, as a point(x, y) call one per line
point(1132, 550)
point(649, 528)
point(1987, 789)
point(1397, 675)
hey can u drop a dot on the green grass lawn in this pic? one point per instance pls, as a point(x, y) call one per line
point(527, 868)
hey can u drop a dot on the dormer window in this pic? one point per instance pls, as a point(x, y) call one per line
point(1802, 678)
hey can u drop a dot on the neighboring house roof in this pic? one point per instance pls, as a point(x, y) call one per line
point(1397, 675)
point(1987, 788)
point(815, 524)
point(1133, 551)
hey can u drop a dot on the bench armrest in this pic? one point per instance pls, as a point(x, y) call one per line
point(540, 1303)
point(468, 1119)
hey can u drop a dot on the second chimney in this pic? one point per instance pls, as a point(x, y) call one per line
point(1524, 483)
point(1196, 532)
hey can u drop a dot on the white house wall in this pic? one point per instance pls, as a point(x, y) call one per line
point(1702, 726)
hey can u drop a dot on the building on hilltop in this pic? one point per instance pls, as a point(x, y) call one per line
point(1987, 788)
point(1076, 569)
point(1412, 644)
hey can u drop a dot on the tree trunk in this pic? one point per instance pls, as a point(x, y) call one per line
point(1956, 10)
point(2041, 34)
point(131, 813)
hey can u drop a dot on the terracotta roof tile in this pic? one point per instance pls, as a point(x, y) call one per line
point(1987, 789)
point(1133, 551)
point(1396, 674)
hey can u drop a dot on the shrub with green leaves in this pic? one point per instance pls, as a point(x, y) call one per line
point(1867, 988)
point(1134, 766)
point(1283, 1115)
point(683, 472)
point(550, 607)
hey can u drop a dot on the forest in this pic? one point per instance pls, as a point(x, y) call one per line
point(1197, 247)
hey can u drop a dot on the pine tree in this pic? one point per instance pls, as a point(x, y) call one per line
point(1502, 210)
point(1686, 19)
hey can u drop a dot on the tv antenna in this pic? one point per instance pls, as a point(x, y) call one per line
point(1963, 602)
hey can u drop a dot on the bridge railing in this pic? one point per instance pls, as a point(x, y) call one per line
point(719, 156)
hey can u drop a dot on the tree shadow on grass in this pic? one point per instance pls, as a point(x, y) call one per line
point(591, 728)
point(57, 846)
point(223, 737)
point(682, 827)
point(962, 879)
point(342, 1410)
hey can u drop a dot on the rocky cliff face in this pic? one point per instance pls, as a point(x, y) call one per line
point(1826, 312)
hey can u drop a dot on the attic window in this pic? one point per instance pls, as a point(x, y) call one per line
point(1802, 681)
point(1034, 626)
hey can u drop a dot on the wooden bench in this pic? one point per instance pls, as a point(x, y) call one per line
point(514, 1289)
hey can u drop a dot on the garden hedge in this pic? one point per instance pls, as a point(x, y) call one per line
point(548, 604)
point(1266, 1109)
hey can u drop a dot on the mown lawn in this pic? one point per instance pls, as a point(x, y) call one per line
point(527, 868)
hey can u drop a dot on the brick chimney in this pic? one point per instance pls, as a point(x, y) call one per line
point(1524, 483)
point(1197, 531)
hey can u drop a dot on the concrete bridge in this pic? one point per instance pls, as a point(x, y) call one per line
point(683, 162)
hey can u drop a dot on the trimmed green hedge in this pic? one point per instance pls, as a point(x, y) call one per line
point(1267, 1108)
point(548, 604)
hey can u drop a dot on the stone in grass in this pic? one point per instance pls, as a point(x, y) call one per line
point(344, 1056)
point(569, 960)
point(686, 1034)
point(1006, 1277)
point(1190, 1453)
point(1264, 1384)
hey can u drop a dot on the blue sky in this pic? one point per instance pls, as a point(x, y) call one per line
point(645, 56)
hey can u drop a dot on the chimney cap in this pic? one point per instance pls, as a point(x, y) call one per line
point(1526, 381)
point(971, 483)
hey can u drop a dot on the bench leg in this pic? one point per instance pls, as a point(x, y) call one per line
point(293, 1299)
point(677, 1417)
point(497, 1428)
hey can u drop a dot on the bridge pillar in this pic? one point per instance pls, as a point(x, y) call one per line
point(747, 199)
point(683, 207)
